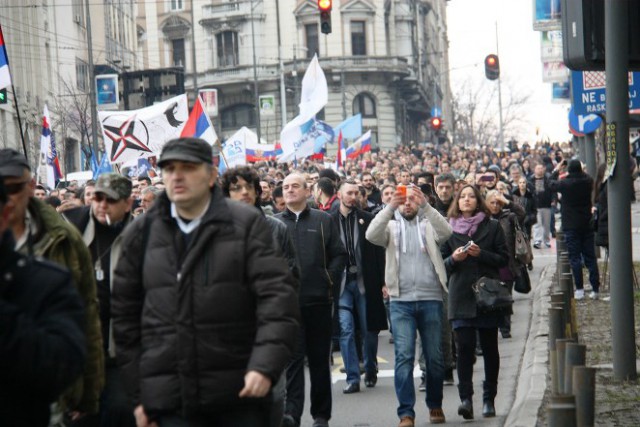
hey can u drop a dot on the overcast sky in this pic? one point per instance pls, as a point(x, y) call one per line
point(472, 35)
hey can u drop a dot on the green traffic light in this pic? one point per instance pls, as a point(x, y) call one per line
point(3, 96)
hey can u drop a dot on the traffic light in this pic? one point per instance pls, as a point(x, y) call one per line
point(492, 67)
point(436, 123)
point(325, 15)
point(3, 96)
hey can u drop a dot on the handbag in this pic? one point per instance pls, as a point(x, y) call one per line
point(522, 283)
point(492, 295)
point(523, 251)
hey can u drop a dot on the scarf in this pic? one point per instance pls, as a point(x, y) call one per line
point(467, 226)
point(325, 207)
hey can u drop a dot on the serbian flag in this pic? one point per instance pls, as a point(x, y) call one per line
point(5, 76)
point(198, 125)
point(361, 146)
point(48, 153)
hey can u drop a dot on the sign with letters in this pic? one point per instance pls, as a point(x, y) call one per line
point(589, 91)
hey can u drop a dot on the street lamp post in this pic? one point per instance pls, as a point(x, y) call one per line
point(255, 76)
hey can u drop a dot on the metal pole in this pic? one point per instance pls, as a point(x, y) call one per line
point(584, 386)
point(283, 89)
point(500, 96)
point(582, 155)
point(255, 76)
point(590, 152)
point(344, 92)
point(622, 314)
point(92, 87)
point(193, 51)
point(575, 355)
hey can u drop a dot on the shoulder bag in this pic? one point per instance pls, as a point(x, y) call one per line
point(492, 295)
point(523, 251)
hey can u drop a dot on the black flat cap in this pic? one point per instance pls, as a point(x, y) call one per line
point(194, 150)
point(12, 162)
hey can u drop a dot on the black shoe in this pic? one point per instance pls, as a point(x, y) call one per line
point(320, 422)
point(370, 380)
point(466, 409)
point(488, 409)
point(505, 333)
point(423, 384)
point(351, 388)
point(288, 421)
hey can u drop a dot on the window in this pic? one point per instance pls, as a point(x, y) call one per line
point(239, 115)
point(82, 75)
point(177, 5)
point(78, 12)
point(358, 38)
point(365, 105)
point(227, 44)
point(313, 46)
point(177, 50)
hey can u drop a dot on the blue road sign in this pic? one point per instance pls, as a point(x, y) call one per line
point(589, 96)
point(436, 112)
point(584, 123)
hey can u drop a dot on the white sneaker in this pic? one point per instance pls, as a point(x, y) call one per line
point(579, 294)
point(594, 295)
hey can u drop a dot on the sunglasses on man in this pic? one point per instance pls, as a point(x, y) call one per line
point(15, 187)
point(99, 197)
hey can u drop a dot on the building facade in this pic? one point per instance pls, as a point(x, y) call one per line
point(48, 49)
point(384, 59)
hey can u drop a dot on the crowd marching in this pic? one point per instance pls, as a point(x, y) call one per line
point(188, 298)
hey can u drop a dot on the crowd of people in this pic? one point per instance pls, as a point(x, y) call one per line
point(193, 299)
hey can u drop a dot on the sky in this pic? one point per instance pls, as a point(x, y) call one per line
point(472, 36)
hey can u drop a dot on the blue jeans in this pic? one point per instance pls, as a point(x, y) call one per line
point(352, 301)
point(425, 318)
point(581, 246)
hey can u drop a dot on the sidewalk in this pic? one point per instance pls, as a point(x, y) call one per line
point(617, 403)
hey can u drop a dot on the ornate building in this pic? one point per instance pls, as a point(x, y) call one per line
point(384, 59)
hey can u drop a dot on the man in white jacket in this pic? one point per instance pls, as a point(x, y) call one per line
point(412, 232)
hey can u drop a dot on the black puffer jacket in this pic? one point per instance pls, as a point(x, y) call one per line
point(576, 190)
point(42, 340)
point(462, 275)
point(190, 322)
point(321, 254)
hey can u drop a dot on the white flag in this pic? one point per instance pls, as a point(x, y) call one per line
point(129, 135)
point(235, 148)
point(314, 97)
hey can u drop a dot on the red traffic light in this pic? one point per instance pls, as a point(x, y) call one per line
point(324, 5)
point(492, 67)
point(436, 123)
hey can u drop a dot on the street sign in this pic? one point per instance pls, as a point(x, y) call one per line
point(436, 112)
point(584, 123)
point(588, 88)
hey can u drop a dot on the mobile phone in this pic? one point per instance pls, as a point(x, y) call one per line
point(467, 246)
point(488, 178)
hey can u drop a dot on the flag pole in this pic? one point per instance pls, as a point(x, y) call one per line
point(15, 98)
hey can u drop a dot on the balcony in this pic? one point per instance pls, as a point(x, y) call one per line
point(356, 64)
point(217, 77)
point(232, 12)
point(241, 74)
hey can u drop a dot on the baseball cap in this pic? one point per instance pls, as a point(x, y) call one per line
point(115, 186)
point(12, 162)
point(194, 150)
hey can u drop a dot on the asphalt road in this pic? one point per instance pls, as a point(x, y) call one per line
point(376, 407)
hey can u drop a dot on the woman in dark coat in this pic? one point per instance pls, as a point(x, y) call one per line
point(523, 196)
point(470, 220)
point(508, 214)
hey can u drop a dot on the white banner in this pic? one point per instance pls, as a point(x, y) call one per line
point(129, 135)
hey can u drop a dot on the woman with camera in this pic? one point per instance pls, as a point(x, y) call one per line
point(477, 249)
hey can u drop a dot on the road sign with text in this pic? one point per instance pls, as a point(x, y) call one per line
point(589, 87)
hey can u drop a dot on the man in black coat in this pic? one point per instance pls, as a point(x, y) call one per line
point(42, 341)
point(576, 190)
point(360, 289)
point(321, 256)
point(204, 308)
